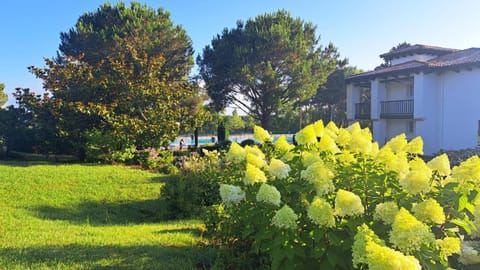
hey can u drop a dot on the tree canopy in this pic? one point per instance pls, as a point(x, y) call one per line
point(120, 73)
point(270, 62)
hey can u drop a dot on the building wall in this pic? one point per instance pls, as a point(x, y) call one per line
point(460, 94)
point(427, 111)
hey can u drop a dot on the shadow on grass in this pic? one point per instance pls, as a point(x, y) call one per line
point(105, 213)
point(77, 256)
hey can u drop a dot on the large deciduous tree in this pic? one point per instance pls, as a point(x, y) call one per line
point(120, 73)
point(266, 64)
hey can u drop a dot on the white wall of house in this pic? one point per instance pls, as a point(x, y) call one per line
point(417, 57)
point(427, 111)
point(460, 95)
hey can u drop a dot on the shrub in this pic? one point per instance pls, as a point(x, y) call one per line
point(151, 159)
point(196, 187)
point(338, 201)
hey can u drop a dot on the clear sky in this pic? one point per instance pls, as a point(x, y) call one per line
point(361, 29)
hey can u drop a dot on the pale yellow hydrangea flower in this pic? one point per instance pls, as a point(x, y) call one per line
point(254, 150)
point(386, 212)
point(467, 174)
point(375, 149)
point(415, 146)
point(348, 204)
point(320, 176)
point(354, 128)
point(231, 194)
point(318, 127)
point(269, 194)
point(331, 130)
point(321, 213)
point(449, 245)
point(367, 134)
point(360, 143)
point(328, 144)
point(384, 258)
point(408, 234)
point(254, 175)
point(285, 218)
point(393, 162)
point(261, 135)
point(306, 136)
point(418, 180)
point(441, 164)
point(343, 137)
point(363, 236)
point(236, 153)
point(282, 145)
point(397, 143)
point(308, 158)
point(346, 157)
point(278, 168)
point(429, 212)
point(255, 160)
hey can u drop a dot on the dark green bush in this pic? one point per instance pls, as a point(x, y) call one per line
point(195, 188)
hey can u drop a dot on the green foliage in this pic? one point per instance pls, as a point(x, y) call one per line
point(189, 193)
point(345, 203)
point(162, 161)
point(267, 63)
point(122, 70)
point(91, 217)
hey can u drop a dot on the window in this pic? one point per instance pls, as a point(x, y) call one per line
point(410, 92)
point(410, 127)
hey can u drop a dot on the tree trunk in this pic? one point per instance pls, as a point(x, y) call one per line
point(265, 122)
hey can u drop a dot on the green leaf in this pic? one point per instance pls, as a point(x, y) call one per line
point(462, 224)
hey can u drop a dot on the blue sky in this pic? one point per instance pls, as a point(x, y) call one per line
point(30, 29)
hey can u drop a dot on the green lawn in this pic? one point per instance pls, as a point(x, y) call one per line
point(90, 217)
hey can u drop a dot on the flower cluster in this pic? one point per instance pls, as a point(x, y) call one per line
point(269, 194)
point(278, 168)
point(285, 218)
point(386, 212)
point(320, 176)
point(418, 179)
point(408, 233)
point(317, 192)
point(306, 136)
point(449, 245)
point(231, 194)
point(321, 213)
point(348, 204)
point(261, 135)
point(429, 212)
point(236, 153)
point(384, 258)
point(254, 175)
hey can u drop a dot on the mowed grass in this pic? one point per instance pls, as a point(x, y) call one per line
point(90, 217)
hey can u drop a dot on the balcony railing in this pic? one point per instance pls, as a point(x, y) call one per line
point(362, 110)
point(398, 109)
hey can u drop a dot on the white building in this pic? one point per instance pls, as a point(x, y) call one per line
point(426, 91)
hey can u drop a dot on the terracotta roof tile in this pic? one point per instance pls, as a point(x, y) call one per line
point(417, 49)
point(457, 58)
point(468, 56)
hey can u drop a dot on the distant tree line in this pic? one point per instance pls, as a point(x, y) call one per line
point(120, 83)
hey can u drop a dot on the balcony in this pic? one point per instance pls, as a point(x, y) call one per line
point(397, 109)
point(362, 110)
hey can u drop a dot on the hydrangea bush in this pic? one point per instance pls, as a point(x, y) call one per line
point(339, 201)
